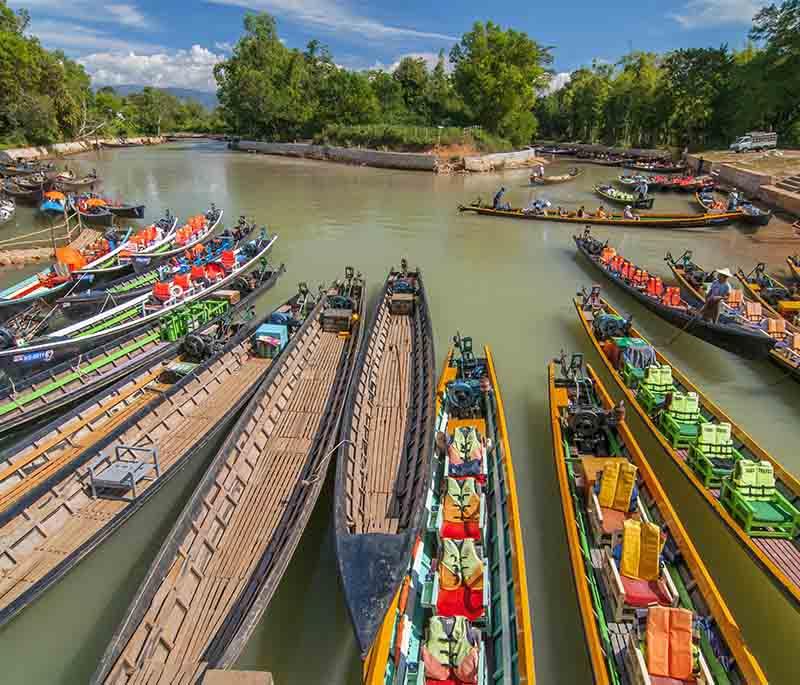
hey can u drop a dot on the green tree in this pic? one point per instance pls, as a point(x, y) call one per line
point(412, 75)
point(498, 74)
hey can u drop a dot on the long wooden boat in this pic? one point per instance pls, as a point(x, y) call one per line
point(729, 333)
point(22, 195)
point(746, 211)
point(234, 539)
point(656, 167)
point(23, 169)
point(38, 181)
point(643, 221)
point(653, 182)
point(773, 295)
point(616, 161)
point(768, 527)
point(96, 330)
point(486, 600)
point(383, 459)
point(612, 500)
point(694, 282)
point(562, 178)
point(621, 197)
point(71, 183)
point(128, 287)
point(33, 397)
point(110, 264)
point(91, 210)
point(126, 210)
point(72, 493)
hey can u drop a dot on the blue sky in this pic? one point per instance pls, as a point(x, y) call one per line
point(177, 42)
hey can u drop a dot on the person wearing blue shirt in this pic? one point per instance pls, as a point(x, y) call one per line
point(498, 196)
point(717, 294)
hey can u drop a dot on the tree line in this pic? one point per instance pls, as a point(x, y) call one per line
point(45, 97)
point(696, 97)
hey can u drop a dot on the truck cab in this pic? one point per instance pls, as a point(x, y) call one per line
point(755, 140)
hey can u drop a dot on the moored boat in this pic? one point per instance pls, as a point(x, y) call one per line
point(54, 203)
point(33, 397)
point(562, 178)
point(7, 209)
point(126, 210)
point(745, 211)
point(93, 210)
point(24, 195)
point(164, 299)
point(572, 217)
point(793, 262)
point(134, 437)
point(653, 182)
point(461, 614)
point(383, 460)
point(651, 610)
point(656, 167)
point(239, 530)
point(71, 183)
point(774, 296)
point(728, 333)
point(621, 197)
point(751, 493)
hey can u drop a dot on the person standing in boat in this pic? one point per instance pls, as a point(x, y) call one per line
point(717, 294)
point(497, 197)
point(628, 213)
point(733, 200)
point(643, 188)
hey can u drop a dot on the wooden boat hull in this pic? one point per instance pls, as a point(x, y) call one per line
point(554, 180)
point(605, 634)
point(40, 395)
point(87, 182)
point(735, 339)
point(127, 211)
point(394, 657)
point(757, 218)
point(9, 306)
point(667, 169)
point(644, 221)
point(261, 548)
point(23, 195)
point(394, 386)
point(74, 340)
point(777, 558)
point(794, 267)
point(625, 198)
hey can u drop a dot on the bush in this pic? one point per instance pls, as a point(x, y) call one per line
point(409, 138)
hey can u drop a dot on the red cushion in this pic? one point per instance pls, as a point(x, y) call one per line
point(613, 520)
point(460, 602)
point(644, 593)
point(461, 531)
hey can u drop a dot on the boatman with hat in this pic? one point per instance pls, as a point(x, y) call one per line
point(717, 294)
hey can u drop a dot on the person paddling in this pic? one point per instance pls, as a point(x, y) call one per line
point(498, 196)
point(717, 293)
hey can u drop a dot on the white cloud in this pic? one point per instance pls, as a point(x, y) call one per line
point(122, 13)
point(182, 68)
point(223, 47)
point(703, 13)
point(74, 38)
point(333, 15)
point(558, 81)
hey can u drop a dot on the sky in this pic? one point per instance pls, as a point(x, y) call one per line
point(177, 42)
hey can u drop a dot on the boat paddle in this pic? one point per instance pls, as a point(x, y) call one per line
point(685, 328)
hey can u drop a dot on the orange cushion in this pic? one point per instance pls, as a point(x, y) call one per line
point(658, 641)
point(613, 520)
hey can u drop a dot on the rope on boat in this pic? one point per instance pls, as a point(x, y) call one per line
point(322, 465)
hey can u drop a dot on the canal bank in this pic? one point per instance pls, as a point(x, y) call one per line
point(503, 282)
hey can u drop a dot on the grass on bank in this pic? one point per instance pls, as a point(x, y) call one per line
point(410, 138)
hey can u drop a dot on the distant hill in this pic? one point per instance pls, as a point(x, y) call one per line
point(208, 100)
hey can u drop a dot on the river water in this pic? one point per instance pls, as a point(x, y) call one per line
point(507, 283)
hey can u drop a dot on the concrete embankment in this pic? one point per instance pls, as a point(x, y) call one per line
point(375, 158)
point(502, 160)
point(71, 148)
point(11, 256)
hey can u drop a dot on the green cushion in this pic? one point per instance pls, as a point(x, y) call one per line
point(766, 512)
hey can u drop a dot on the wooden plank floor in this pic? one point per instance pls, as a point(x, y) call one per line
point(56, 524)
point(238, 515)
point(380, 424)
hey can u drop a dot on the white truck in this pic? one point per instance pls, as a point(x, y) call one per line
point(755, 140)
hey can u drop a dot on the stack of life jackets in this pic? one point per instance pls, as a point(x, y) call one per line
point(186, 233)
point(461, 581)
point(655, 287)
point(461, 509)
point(451, 652)
point(776, 329)
point(607, 255)
point(617, 495)
point(669, 649)
point(672, 296)
point(466, 453)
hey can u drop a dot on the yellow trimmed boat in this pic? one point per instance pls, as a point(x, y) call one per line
point(751, 493)
point(461, 613)
point(793, 261)
point(650, 609)
point(775, 297)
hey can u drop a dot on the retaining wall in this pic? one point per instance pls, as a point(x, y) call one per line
point(71, 148)
point(501, 160)
point(375, 158)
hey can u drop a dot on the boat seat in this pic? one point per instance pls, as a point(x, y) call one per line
point(750, 495)
point(461, 660)
point(112, 477)
point(776, 328)
point(752, 312)
point(712, 456)
point(626, 595)
point(466, 454)
point(451, 523)
point(611, 501)
point(681, 421)
point(461, 599)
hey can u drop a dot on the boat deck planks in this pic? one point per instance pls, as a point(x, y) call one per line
point(218, 554)
point(60, 521)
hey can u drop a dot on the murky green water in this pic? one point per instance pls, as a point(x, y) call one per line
point(503, 282)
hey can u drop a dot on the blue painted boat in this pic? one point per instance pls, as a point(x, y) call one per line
point(53, 204)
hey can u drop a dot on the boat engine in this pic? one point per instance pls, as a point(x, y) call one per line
point(587, 425)
point(198, 347)
point(608, 326)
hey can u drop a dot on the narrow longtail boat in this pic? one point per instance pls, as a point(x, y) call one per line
point(384, 457)
point(74, 482)
point(656, 167)
point(22, 195)
point(131, 286)
point(793, 261)
point(746, 211)
point(71, 183)
point(751, 493)
point(694, 282)
point(225, 556)
point(644, 220)
point(126, 210)
point(165, 298)
point(653, 182)
point(55, 389)
point(92, 210)
point(553, 180)
point(621, 197)
point(730, 333)
point(461, 614)
point(773, 295)
point(651, 611)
